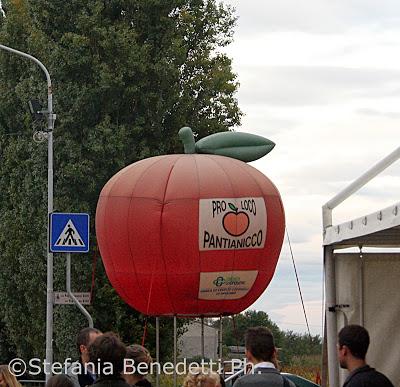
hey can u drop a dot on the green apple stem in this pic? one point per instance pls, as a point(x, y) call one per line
point(186, 136)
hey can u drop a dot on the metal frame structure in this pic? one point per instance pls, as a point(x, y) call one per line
point(158, 349)
point(71, 294)
point(175, 345)
point(379, 229)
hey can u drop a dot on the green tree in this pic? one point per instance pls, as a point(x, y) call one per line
point(6, 349)
point(300, 348)
point(294, 348)
point(127, 75)
point(235, 327)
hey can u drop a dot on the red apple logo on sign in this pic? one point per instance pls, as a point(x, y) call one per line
point(235, 222)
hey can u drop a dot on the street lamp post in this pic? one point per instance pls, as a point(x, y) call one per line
point(49, 134)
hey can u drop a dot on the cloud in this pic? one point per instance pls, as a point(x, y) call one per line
point(264, 123)
point(377, 113)
point(281, 300)
point(299, 234)
point(291, 316)
point(321, 79)
point(314, 85)
point(283, 291)
point(343, 170)
point(315, 16)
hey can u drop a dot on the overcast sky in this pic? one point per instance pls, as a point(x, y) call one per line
point(321, 78)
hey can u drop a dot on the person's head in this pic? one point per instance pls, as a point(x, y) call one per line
point(140, 359)
point(60, 381)
point(7, 379)
point(260, 346)
point(353, 343)
point(108, 353)
point(201, 377)
point(86, 337)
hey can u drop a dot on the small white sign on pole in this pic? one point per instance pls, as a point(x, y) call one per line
point(62, 298)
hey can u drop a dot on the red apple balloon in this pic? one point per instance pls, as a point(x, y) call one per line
point(195, 234)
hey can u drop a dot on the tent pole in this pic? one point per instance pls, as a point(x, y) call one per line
point(175, 350)
point(357, 184)
point(220, 345)
point(361, 288)
point(157, 349)
point(324, 360)
point(202, 337)
point(330, 313)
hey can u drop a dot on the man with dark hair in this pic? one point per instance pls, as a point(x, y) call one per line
point(261, 352)
point(353, 343)
point(108, 354)
point(79, 372)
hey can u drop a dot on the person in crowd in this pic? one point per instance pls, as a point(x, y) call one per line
point(7, 379)
point(60, 381)
point(79, 372)
point(201, 377)
point(140, 357)
point(261, 353)
point(108, 354)
point(353, 343)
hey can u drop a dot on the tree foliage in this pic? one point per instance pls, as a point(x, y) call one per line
point(235, 327)
point(293, 347)
point(127, 74)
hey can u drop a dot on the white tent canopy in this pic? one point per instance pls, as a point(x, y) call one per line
point(362, 288)
point(379, 229)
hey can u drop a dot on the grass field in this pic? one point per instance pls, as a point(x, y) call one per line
point(308, 367)
point(308, 372)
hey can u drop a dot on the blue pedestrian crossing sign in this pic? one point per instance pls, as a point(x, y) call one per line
point(69, 233)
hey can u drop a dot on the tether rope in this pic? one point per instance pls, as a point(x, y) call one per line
point(298, 282)
point(144, 332)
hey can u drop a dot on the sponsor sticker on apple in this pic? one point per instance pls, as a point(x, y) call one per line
point(232, 223)
point(226, 285)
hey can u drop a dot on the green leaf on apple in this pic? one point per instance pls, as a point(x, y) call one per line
point(232, 207)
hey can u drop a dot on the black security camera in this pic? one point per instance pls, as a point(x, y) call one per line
point(36, 109)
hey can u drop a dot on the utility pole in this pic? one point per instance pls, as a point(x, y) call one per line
point(49, 135)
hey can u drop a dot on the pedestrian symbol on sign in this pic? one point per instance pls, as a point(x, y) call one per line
point(69, 236)
point(69, 232)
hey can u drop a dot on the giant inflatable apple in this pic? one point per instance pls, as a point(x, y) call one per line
point(195, 234)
